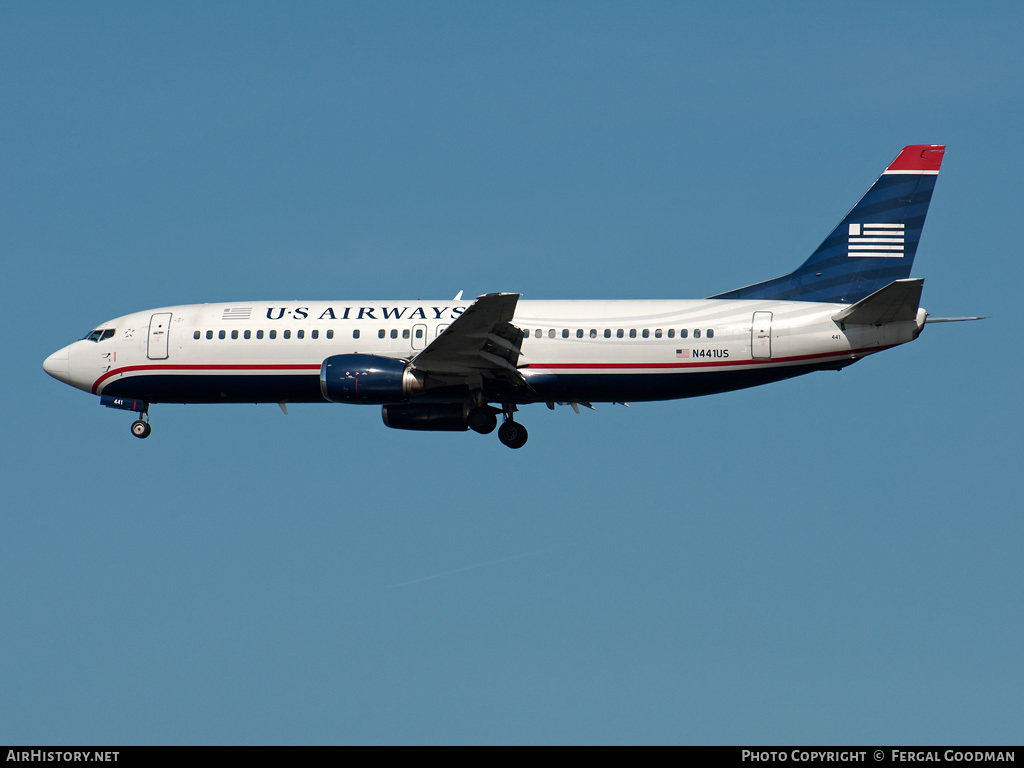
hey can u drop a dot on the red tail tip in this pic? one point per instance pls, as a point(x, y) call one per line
point(919, 157)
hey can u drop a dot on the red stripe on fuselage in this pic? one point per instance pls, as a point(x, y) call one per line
point(707, 364)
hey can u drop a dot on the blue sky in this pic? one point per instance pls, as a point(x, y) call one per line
point(833, 559)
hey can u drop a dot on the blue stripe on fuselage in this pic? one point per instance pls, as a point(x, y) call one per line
point(560, 387)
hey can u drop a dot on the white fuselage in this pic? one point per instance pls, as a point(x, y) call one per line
point(594, 351)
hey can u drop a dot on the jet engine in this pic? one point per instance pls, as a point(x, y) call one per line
point(367, 379)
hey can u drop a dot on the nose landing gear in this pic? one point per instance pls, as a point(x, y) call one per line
point(141, 428)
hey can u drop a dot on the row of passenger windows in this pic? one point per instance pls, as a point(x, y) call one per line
point(287, 334)
point(301, 334)
point(552, 333)
point(621, 333)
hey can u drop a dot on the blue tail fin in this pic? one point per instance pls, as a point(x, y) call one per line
point(874, 245)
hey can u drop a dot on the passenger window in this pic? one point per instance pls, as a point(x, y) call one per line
point(196, 335)
point(287, 334)
point(539, 332)
point(579, 333)
point(300, 334)
point(607, 333)
point(405, 333)
point(632, 333)
point(222, 335)
point(647, 333)
point(248, 334)
point(234, 334)
point(209, 334)
point(330, 333)
point(551, 333)
point(682, 333)
point(711, 333)
point(696, 333)
point(565, 333)
point(314, 334)
point(355, 334)
point(259, 334)
point(593, 333)
point(671, 333)
point(272, 335)
point(381, 333)
point(419, 333)
point(657, 333)
point(619, 333)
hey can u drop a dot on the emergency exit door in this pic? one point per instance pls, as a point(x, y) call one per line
point(419, 336)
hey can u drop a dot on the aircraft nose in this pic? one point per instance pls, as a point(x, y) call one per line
point(57, 365)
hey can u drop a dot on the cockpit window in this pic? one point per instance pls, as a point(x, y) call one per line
point(100, 334)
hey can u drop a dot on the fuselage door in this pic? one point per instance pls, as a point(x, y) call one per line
point(159, 328)
point(419, 336)
point(761, 336)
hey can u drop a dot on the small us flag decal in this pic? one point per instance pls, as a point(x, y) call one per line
point(876, 240)
point(682, 353)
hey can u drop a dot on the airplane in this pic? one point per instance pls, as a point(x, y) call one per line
point(460, 365)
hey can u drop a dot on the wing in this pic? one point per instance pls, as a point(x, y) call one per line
point(481, 342)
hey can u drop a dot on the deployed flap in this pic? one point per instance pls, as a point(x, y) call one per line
point(481, 340)
point(899, 300)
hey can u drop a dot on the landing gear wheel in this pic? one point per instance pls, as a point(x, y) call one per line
point(512, 433)
point(141, 428)
point(482, 420)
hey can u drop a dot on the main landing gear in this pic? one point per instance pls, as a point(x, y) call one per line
point(484, 418)
point(511, 433)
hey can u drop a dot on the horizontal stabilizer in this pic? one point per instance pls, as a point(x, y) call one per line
point(899, 300)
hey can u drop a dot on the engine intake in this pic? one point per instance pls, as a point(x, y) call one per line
point(367, 379)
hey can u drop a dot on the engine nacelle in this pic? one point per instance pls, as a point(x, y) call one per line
point(444, 417)
point(367, 379)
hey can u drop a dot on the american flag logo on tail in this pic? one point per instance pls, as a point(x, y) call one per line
point(876, 240)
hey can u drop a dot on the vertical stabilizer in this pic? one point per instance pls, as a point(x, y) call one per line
point(872, 246)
